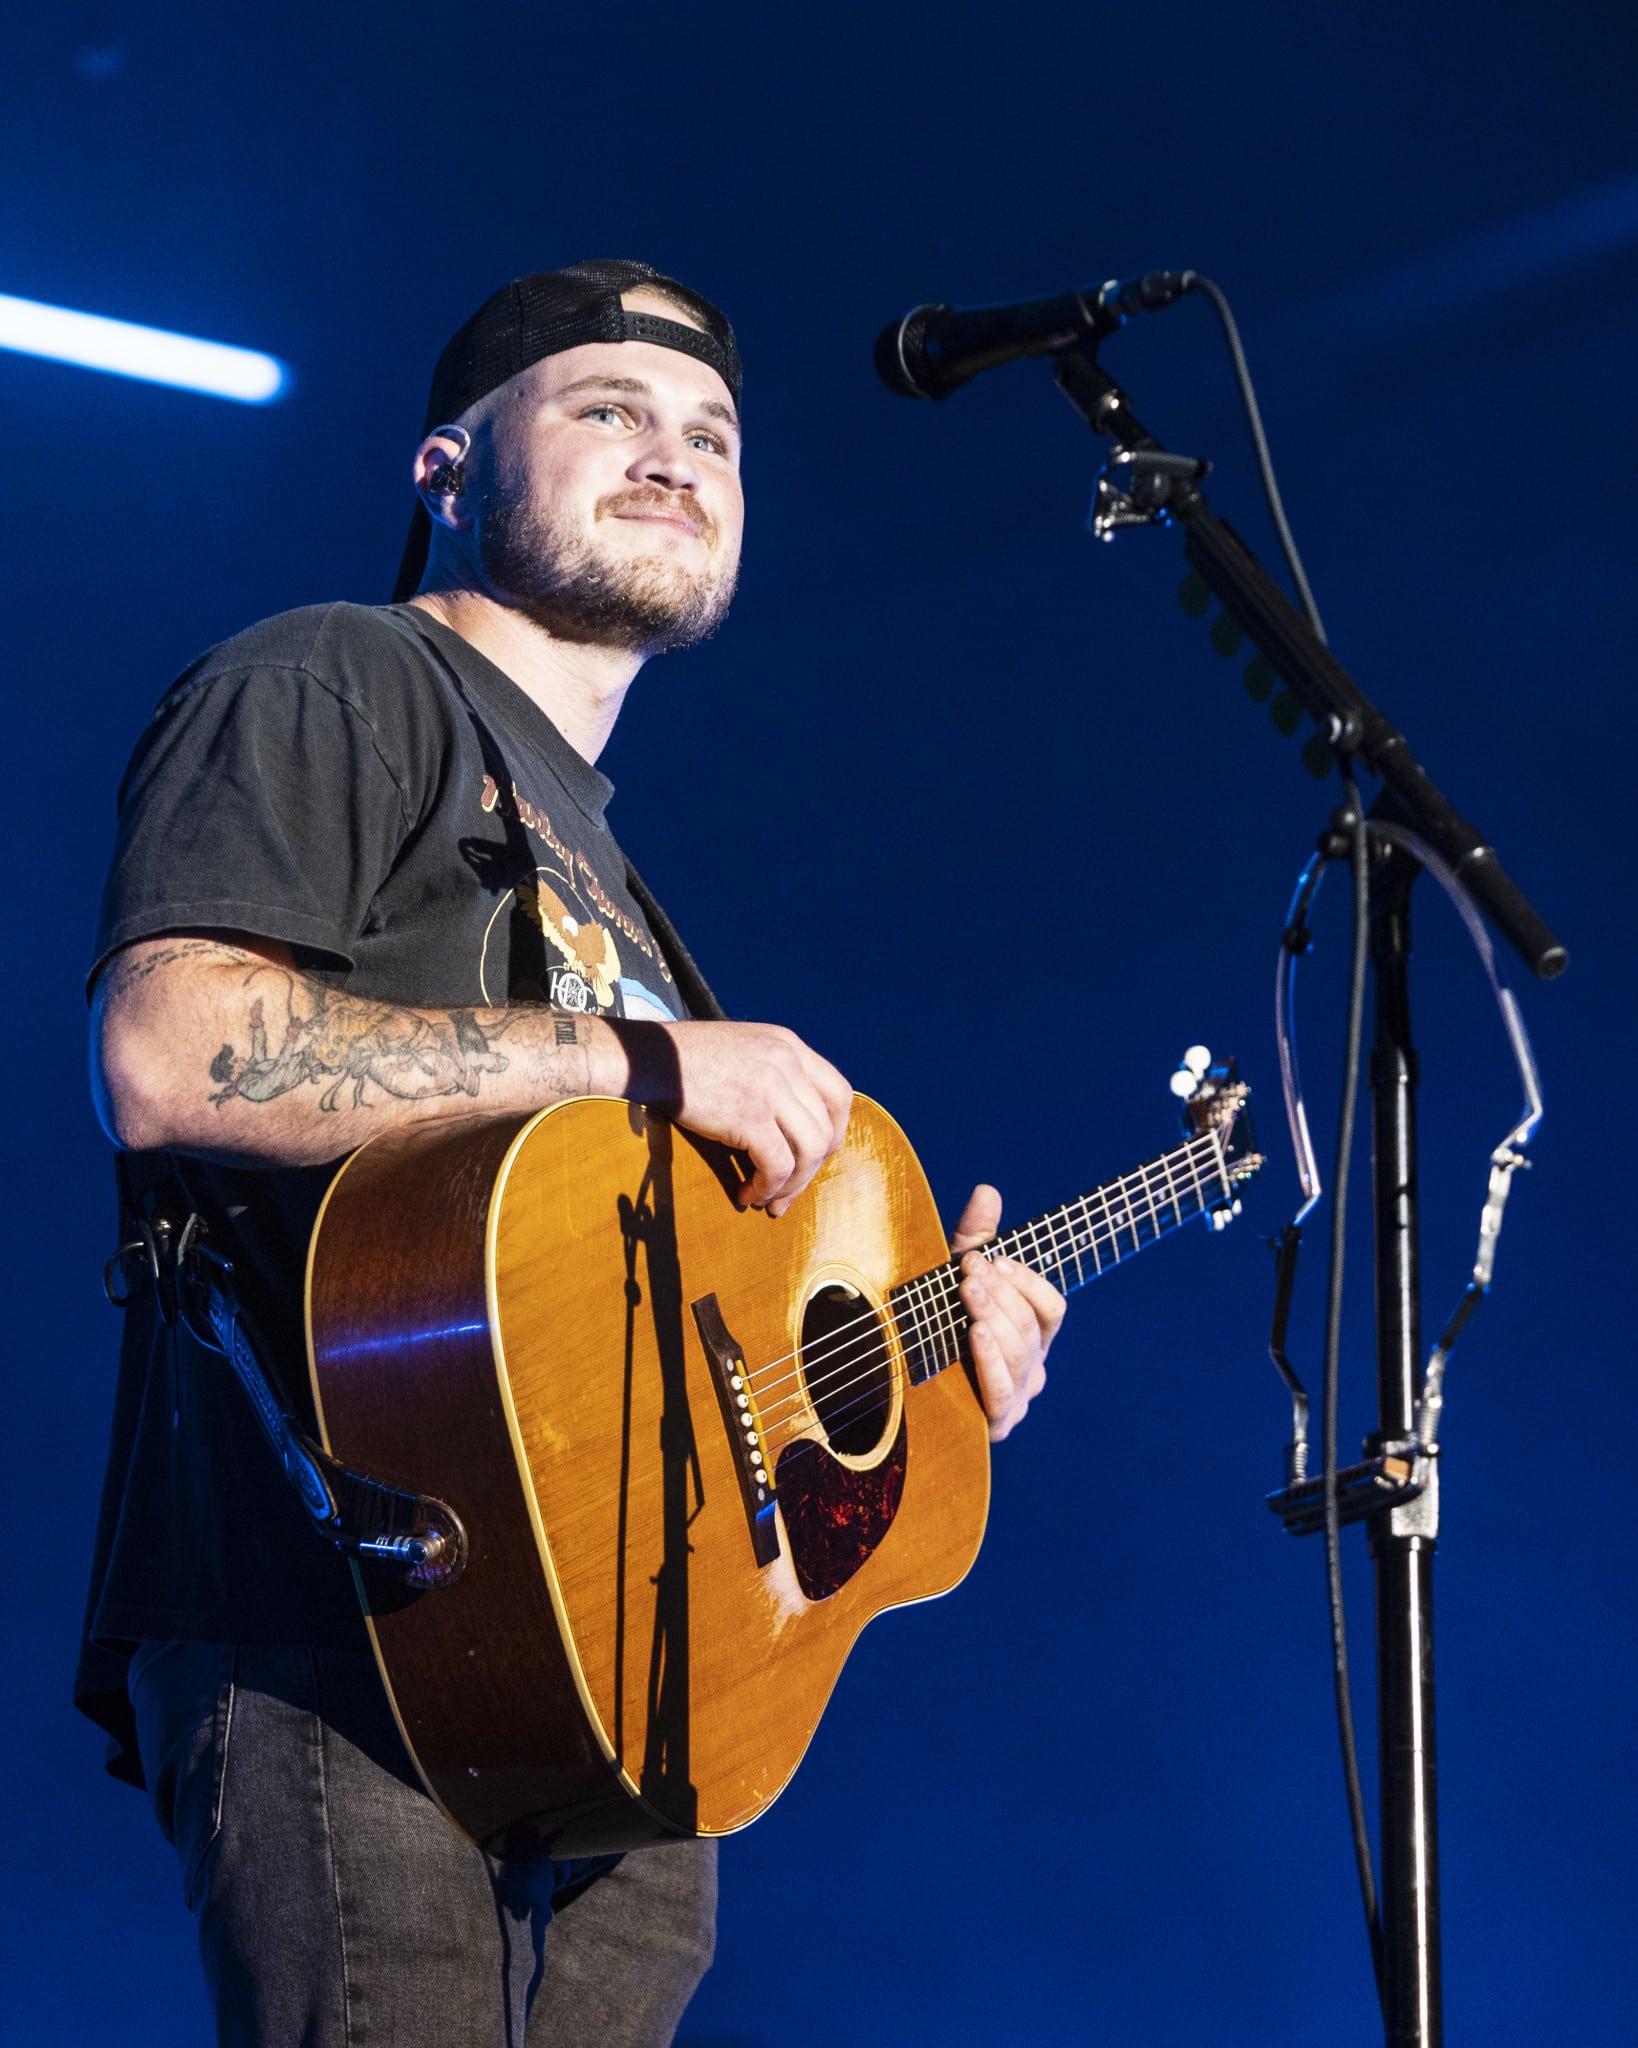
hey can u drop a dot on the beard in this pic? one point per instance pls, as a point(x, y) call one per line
point(643, 605)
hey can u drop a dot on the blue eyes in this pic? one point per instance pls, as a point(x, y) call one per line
point(700, 437)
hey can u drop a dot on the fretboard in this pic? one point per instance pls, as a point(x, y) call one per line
point(1070, 1245)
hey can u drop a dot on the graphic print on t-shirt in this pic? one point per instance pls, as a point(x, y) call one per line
point(549, 939)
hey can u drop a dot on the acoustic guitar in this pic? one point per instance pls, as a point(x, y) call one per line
point(692, 1449)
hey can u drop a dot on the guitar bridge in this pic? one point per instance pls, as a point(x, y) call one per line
point(744, 1426)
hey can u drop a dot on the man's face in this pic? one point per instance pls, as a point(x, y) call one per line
point(609, 504)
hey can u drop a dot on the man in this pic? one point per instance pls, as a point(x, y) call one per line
point(363, 880)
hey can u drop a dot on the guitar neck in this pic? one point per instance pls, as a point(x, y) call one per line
point(1070, 1245)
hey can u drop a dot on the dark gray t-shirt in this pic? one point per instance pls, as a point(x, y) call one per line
point(363, 785)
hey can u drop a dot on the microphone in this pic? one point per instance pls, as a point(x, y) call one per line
point(934, 350)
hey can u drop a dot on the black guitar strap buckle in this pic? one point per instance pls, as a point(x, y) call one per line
point(152, 1256)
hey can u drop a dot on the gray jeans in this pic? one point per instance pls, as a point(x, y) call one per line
point(337, 1908)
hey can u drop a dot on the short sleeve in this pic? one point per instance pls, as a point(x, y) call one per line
point(258, 800)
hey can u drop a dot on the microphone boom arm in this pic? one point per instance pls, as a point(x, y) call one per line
point(1350, 721)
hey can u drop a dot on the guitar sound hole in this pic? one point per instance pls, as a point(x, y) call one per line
point(847, 1370)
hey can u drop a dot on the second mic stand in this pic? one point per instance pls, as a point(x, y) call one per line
point(1144, 483)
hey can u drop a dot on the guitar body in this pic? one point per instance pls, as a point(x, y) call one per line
point(537, 1321)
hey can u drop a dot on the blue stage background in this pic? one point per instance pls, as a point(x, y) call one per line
point(970, 803)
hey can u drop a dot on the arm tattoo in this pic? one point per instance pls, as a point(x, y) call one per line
point(129, 967)
point(340, 1041)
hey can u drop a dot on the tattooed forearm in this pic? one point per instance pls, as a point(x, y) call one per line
point(337, 1043)
point(240, 1054)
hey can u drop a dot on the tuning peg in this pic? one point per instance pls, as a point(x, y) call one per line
point(1197, 1059)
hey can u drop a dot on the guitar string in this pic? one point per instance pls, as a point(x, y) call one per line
point(1103, 1231)
point(940, 1316)
point(1068, 1242)
point(945, 1327)
point(757, 1382)
point(944, 1322)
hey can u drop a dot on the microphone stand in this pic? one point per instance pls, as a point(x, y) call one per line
point(1403, 1521)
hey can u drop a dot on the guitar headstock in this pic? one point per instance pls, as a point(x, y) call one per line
point(1214, 1098)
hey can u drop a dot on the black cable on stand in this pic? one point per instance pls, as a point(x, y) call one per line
point(1144, 483)
point(1350, 820)
point(930, 353)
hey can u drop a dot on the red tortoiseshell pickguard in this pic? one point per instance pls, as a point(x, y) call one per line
point(834, 1516)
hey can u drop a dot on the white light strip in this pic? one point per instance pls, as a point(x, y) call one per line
point(126, 350)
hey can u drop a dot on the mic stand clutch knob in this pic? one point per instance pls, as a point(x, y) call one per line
point(1142, 496)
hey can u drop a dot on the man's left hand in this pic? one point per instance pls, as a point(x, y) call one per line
point(1015, 1315)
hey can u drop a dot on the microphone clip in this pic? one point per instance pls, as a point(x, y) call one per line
point(1136, 486)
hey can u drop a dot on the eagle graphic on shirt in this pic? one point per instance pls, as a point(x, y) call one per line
point(583, 945)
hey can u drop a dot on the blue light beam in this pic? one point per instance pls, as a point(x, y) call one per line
point(1500, 262)
point(153, 354)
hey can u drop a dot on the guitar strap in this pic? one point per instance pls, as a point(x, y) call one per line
point(691, 984)
point(417, 1539)
point(414, 1537)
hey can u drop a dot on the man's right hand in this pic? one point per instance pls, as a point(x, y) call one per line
point(754, 1087)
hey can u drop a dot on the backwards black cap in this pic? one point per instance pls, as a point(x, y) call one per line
point(542, 315)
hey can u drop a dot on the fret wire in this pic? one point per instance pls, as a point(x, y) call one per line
point(1071, 1248)
point(944, 1305)
point(1055, 1235)
point(1148, 1203)
point(1142, 1179)
point(932, 1309)
point(1190, 1152)
point(923, 1335)
point(1137, 1204)
point(1046, 1256)
point(941, 1319)
point(900, 1307)
point(1154, 1173)
point(1131, 1214)
point(1221, 1160)
point(927, 1301)
point(1129, 1224)
point(944, 1331)
point(943, 1284)
point(930, 1299)
point(1075, 1246)
point(1091, 1234)
point(1194, 1169)
point(1110, 1224)
point(1162, 1168)
point(1178, 1195)
point(1157, 1198)
point(947, 1297)
point(955, 1313)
